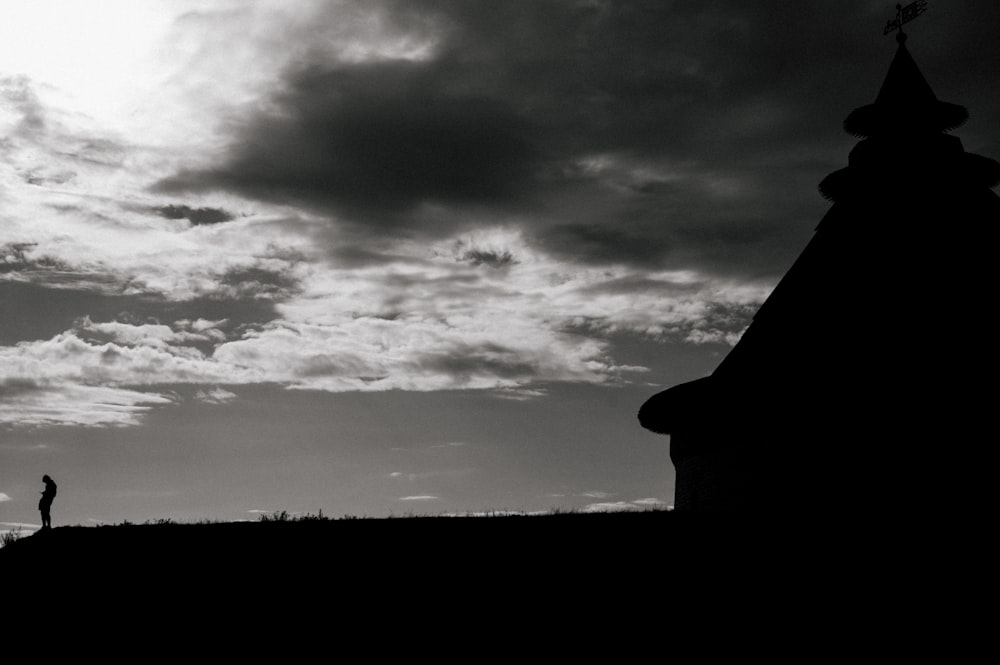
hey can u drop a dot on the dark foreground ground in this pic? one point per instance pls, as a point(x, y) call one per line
point(631, 583)
point(407, 569)
point(595, 545)
point(348, 548)
point(393, 555)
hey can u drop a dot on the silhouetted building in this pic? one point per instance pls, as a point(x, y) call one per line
point(865, 380)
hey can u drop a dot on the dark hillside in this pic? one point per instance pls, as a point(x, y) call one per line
point(562, 544)
point(364, 564)
point(573, 579)
point(511, 541)
point(638, 549)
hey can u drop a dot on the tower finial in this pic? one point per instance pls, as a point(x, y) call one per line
point(903, 16)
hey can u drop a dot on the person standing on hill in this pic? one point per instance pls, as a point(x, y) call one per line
point(45, 503)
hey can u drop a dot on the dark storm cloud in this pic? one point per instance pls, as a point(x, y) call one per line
point(256, 282)
point(13, 256)
point(641, 284)
point(14, 387)
point(491, 258)
point(23, 257)
point(487, 359)
point(747, 233)
point(376, 140)
point(357, 255)
point(197, 216)
point(679, 134)
point(403, 288)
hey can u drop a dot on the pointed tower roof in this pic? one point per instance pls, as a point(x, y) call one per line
point(905, 104)
point(906, 122)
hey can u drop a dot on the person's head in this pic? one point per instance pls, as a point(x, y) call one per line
point(46, 479)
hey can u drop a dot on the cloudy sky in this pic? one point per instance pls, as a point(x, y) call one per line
point(380, 257)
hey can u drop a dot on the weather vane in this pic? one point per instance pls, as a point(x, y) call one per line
point(904, 15)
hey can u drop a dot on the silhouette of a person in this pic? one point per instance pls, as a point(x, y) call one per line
point(45, 503)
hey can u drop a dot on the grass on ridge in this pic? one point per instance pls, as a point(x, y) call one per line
point(10, 536)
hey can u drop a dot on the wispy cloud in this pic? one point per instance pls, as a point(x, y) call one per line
point(215, 395)
point(424, 475)
point(520, 394)
point(34, 447)
point(419, 497)
point(650, 501)
point(4, 497)
point(48, 404)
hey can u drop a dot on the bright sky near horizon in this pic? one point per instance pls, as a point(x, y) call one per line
point(390, 256)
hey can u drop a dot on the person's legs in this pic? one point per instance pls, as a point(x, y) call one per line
point(46, 518)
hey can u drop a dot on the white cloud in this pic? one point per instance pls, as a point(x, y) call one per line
point(597, 494)
point(215, 396)
point(714, 336)
point(202, 325)
point(492, 334)
point(539, 321)
point(4, 497)
point(415, 354)
point(68, 358)
point(157, 336)
point(421, 497)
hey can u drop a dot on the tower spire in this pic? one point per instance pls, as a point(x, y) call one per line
point(905, 104)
